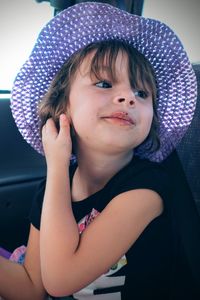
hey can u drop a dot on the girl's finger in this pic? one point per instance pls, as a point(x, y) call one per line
point(64, 125)
point(50, 128)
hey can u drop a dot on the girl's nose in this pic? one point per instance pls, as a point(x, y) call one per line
point(127, 100)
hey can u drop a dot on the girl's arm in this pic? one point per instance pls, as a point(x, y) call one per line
point(69, 261)
point(23, 282)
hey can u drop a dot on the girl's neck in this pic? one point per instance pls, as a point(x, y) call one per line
point(94, 171)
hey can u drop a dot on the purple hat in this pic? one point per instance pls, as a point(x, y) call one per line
point(88, 22)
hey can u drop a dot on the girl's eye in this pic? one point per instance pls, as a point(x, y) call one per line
point(103, 84)
point(141, 94)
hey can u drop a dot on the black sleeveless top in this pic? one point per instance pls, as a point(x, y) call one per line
point(146, 270)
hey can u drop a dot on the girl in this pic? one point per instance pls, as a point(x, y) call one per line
point(118, 92)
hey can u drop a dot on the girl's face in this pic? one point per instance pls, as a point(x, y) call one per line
point(108, 116)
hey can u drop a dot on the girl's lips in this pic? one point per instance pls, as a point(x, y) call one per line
point(123, 116)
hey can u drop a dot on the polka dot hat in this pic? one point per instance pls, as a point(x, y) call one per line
point(88, 22)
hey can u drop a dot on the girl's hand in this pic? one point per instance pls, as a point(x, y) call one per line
point(57, 145)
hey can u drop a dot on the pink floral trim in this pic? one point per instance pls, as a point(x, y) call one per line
point(18, 254)
point(87, 220)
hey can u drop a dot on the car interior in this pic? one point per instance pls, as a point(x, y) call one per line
point(22, 168)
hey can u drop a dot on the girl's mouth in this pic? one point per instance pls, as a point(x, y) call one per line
point(121, 118)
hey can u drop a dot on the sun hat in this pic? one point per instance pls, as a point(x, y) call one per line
point(88, 22)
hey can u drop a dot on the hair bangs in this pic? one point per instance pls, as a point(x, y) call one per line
point(104, 62)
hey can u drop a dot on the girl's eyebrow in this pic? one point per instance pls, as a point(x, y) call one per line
point(106, 72)
point(99, 72)
point(103, 69)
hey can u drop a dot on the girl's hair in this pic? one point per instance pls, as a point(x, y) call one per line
point(140, 71)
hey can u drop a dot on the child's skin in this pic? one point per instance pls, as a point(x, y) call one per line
point(105, 140)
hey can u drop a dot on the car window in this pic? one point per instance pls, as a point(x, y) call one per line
point(20, 23)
